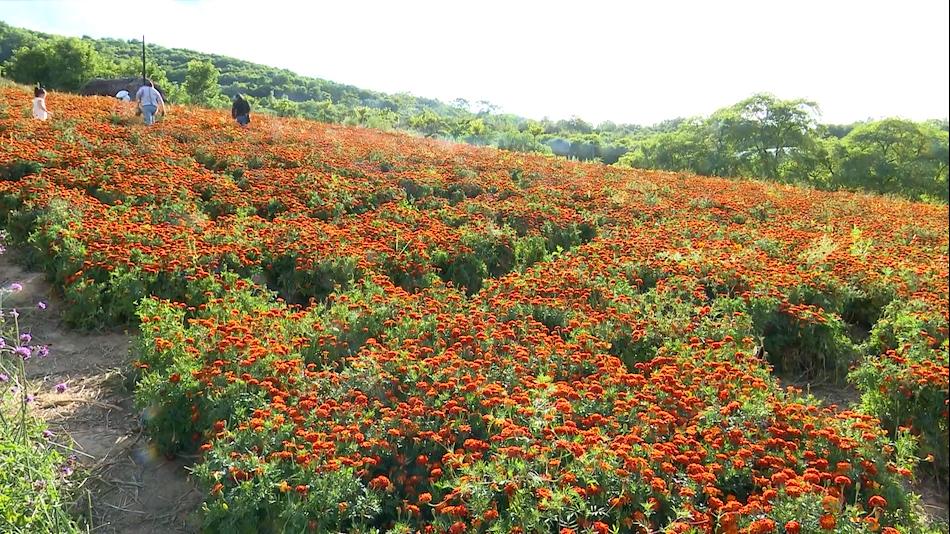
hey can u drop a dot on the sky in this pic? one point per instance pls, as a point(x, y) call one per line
point(627, 61)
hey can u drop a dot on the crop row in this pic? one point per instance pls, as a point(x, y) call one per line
point(361, 330)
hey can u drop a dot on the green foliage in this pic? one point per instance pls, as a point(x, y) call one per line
point(15, 170)
point(763, 131)
point(201, 81)
point(381, 119)
point(58, 63)
point(30, 497)
point(283, 107)
point(902, 381)
point(896, 156)
point(33, 473)
point(781, 140)
point(429, 123)
point(520, 142)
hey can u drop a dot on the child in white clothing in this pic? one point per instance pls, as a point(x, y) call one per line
point(39, 104)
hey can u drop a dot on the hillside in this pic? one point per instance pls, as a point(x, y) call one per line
point(236, 75)
point(470, 339)
point(761, 136)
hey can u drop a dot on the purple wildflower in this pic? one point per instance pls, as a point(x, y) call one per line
point(15, 287)
point(25, 338)
point(4, 377)
point(61, 387)
point(41, 305)
point(42, 351)
point(23, 352)
point(48, 434)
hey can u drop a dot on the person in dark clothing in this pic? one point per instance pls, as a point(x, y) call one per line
point(241, 110)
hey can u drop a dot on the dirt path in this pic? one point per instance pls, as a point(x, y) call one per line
point(130, 488)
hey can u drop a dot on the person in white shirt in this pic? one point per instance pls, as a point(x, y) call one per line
point(150, 101)
point(123, 95)
point(39, 104)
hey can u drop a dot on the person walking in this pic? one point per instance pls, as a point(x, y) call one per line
point(150, 101)
point(39, 104)
point(123, 95)
point(241, 110)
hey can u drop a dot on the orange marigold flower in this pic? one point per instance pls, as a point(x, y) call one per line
point(762, 526)
point(380, 482)
point(793, 527)
point(830, 503)
point(827, 522)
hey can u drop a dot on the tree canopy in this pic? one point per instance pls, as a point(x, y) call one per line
point(57, 63)
point(201, 81)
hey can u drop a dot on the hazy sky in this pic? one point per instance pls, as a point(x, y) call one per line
point(638, 62)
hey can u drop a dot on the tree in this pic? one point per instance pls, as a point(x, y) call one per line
point(378, 118)
point(283, 107)
point(201, 81)
point(520, 142)
point(896, 156)
point(429, 123)
point(13, 39)
point(132, 66)
point(58, 63)
point(532, 127)
point(467, 127)
point(818, 163)
point(691, 146)
point(323, 111)
point(764, 131)
point(461, 103)
point(485, 107)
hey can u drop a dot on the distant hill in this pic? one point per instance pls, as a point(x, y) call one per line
point(236, 75)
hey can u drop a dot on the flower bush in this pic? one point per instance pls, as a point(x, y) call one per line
point(365, 331)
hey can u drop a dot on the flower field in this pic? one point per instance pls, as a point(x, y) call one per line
point(360, 331)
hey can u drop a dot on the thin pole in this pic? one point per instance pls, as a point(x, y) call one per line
point(143, 60)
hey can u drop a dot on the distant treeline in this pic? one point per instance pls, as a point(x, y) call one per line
point(762, 136)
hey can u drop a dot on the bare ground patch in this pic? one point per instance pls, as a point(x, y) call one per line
point(128, 488)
